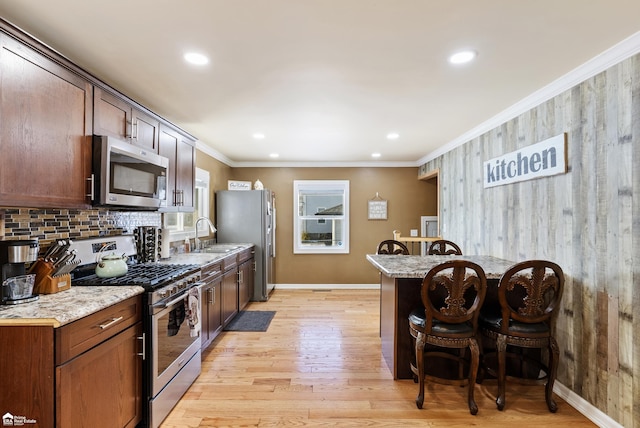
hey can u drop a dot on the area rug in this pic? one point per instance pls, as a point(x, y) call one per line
point(251, 321)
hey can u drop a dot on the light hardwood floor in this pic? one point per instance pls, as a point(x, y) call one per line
point(319, 364)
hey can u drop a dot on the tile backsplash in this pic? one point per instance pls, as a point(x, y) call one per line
point(50, 224)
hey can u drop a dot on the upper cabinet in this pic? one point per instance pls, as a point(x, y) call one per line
point(116, 117)
point(181, 182)
point(45, 132)
point(49, 110)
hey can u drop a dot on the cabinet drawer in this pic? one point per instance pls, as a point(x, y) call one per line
point(230, 262)
point(211, 270)
point(245, 254)
point(85, 333)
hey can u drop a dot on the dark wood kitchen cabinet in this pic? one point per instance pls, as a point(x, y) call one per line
point(99, 368)
point(86, 373)
point(246, 269)
point(116, 117)
point(229, 289)
point(211, 302)
point(27, 383)
point(45, 137)
point(181, 152)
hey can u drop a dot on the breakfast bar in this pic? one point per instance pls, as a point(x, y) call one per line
point(400, 280)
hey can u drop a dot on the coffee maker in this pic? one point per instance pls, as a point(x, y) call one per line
point(13, 258)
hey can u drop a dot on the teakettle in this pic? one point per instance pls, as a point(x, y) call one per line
point(111, 266)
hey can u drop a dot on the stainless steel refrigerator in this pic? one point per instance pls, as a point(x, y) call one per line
point(249, 216)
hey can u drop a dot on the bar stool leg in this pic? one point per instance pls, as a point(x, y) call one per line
point(554, 356)
point(501, 343)
point(420, 342)
point(473, 371)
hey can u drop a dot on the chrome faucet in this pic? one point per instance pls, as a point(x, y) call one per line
point(211, 227)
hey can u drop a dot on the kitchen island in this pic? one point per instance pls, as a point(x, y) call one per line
point(400, 281)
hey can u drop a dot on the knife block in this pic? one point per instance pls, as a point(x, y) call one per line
point(45, 283)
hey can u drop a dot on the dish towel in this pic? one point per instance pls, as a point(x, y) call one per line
point(193, 311)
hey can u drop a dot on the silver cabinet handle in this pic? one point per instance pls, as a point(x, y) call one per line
point(134, 136)
point(143, 354)
point(91, 181)
point(110, 323)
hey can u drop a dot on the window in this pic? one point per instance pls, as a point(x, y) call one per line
point(321, 216)
point(182, 225)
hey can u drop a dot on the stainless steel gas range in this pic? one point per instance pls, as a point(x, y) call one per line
point(171, 357)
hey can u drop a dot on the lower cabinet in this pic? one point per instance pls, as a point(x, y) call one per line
point(211, 303)
point(246, 270)
point(102, 387)
point(84, 374)
point(99, 368)
point(226, 290)
point(229, 295)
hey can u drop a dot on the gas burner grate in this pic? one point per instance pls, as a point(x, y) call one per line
point(149, 275)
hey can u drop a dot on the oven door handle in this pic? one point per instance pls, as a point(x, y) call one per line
point(167, 304)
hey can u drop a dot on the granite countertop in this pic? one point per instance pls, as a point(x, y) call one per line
point(211, 254)
point(399, 266)
point(70, 305)
point(66, 306)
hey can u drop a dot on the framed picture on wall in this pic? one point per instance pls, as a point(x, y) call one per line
point(377, 209)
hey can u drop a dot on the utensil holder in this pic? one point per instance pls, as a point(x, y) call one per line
point(47, 284)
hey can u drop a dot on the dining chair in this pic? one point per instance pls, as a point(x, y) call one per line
point(529, 294)
point(442, 247)
point(392, 247)
point(452, 294)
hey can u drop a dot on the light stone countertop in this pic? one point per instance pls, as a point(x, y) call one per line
point(399, 266)
point(204, 258)
point(66, 306)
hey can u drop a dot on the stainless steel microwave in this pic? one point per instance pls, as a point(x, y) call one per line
point(127, 176)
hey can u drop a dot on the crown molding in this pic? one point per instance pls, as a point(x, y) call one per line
point(612, 56)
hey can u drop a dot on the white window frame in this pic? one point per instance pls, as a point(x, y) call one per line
point(301, 186)
point(182, 225)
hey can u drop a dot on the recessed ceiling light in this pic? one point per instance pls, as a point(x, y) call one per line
point(196, 58)
point(258, 136)
point(462, 57)
point(392, 136)
point(375, 155)
point(274, 155)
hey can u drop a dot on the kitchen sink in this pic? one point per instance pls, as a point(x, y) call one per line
point(218, 248)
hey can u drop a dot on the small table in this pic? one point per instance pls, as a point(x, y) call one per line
point(400, 282)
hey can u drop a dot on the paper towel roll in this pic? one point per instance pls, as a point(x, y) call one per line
point(165, 245)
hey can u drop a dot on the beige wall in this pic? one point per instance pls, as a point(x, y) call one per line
point(408, 199)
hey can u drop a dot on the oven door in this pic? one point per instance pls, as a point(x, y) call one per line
point(173, 343)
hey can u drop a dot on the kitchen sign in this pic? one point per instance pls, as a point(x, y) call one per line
point(546, 158)
point(238, 185)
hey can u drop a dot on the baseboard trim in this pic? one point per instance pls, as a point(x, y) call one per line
point(594, 414)
point(328, 286)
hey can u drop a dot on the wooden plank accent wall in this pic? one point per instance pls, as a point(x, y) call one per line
point(587, 220)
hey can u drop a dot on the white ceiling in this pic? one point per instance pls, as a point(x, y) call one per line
point(327, 80)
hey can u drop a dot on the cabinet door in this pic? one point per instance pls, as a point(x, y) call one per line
point(186, 172)
point(245, 283)
point(46, 113)
point(116, 117)
point(112, 115)
point(229, 295)
point(27, 379)
point(144, 131)
point(102, 387)
point(211, 312)
point(182, 165)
